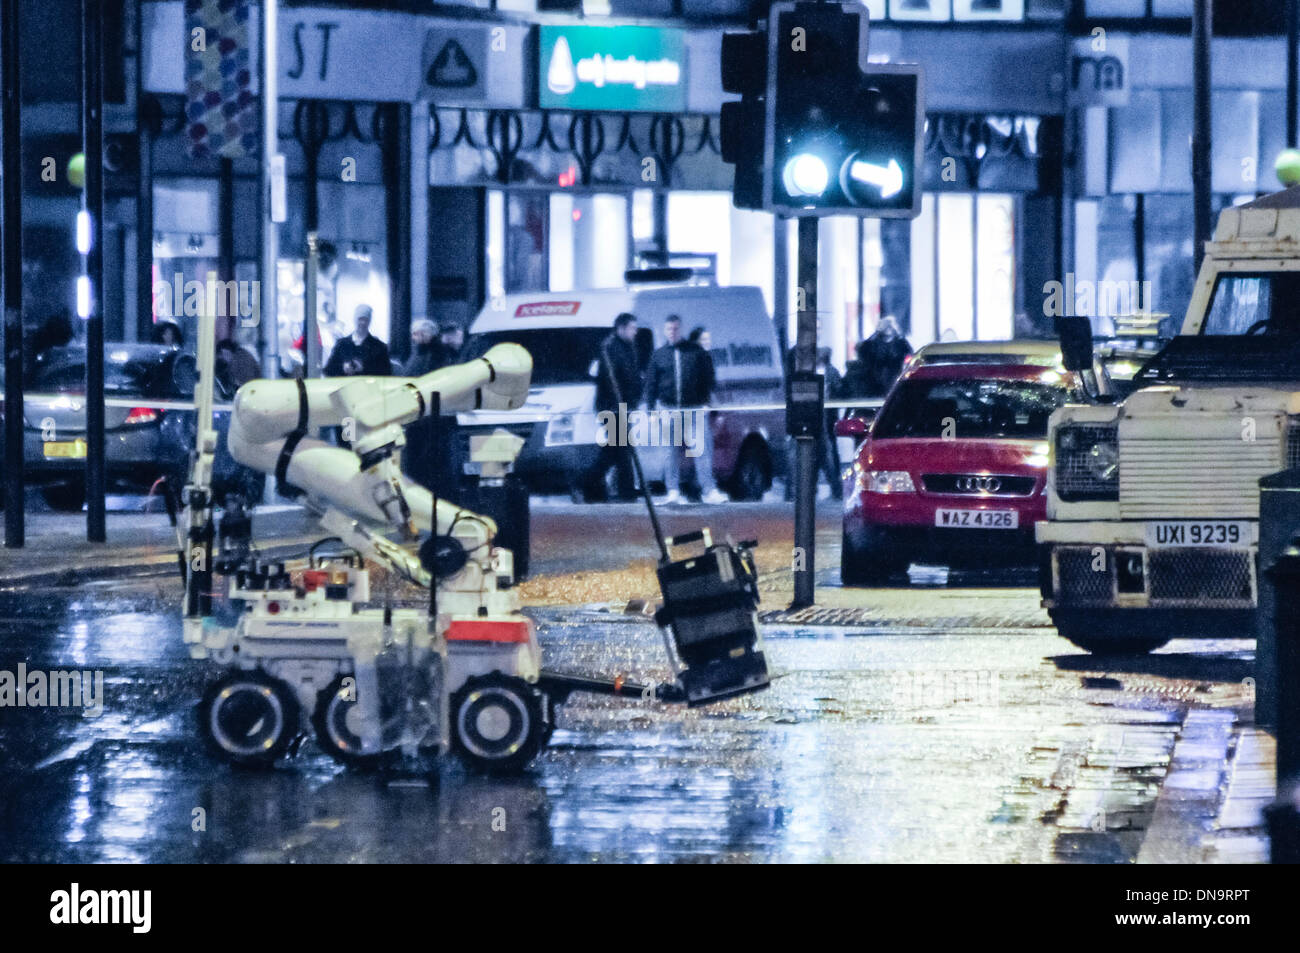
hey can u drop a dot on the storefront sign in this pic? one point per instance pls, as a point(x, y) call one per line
point(626, 68)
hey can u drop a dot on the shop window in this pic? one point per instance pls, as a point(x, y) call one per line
point(1105, 258)
point(988, 9)
point(956, 252)
point(518, 224)
point(717, 9)
point(995, 286)
point(587, 241)
point(1169, 267)
point(1045, 9)
point(920, 9)
point(963, 281)
point(700, 222)
point(1115, 8)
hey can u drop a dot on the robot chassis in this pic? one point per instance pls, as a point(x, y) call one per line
point(386, 687)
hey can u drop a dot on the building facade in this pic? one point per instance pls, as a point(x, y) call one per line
point(444, 156)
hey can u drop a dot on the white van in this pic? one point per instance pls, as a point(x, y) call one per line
point(563, 331)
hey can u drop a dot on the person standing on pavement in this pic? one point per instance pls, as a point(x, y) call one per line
point(829, 452)
point(452, 339)
point(828, 456)
point(426, 349)
point(362, 353)
point(234, 366)
point(618, 381)
point(681, 379)
point(882, 357)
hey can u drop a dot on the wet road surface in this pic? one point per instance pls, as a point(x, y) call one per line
point(892, 741)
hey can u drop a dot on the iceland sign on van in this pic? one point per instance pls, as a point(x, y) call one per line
point(624, 68)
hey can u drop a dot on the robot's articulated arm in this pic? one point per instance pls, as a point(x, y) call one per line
point(272, 420)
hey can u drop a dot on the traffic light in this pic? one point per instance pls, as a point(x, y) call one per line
point(744, 71)
point(836, 138)
point(844, 139)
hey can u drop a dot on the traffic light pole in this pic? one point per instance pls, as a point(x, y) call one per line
point(805, 359)
point(92, 131)
point(1202, 20)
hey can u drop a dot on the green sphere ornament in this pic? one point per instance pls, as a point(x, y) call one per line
point(1287, 166)
point(77, 171)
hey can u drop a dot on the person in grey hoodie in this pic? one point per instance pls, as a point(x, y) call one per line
point(681, 378)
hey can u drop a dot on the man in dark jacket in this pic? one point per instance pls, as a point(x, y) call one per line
point(618, 381)
point(681, 379)
point(880, 361)
point(362, 353)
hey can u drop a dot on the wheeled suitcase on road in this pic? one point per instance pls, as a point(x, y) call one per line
point(710, 609)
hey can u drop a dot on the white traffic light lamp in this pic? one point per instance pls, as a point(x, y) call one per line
point(805, 175)
point(883, 180)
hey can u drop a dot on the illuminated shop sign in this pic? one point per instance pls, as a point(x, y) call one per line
point(611, 67)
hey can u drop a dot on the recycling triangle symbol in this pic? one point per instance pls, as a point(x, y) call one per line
point(452, 68)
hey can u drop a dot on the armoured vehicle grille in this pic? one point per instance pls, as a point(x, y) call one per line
point(1201, 576)
point(1081, 582)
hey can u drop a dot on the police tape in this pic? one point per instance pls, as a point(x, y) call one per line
point(523, 413)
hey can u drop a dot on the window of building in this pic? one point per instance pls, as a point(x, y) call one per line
point(920, 9)
point(963, 268)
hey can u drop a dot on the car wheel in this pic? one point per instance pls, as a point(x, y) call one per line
point(868, 559)
point(753, 474)
point(65, 497)
point(1102, 638)
point(497, 724)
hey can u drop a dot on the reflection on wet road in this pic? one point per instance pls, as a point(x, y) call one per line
point(874, 744)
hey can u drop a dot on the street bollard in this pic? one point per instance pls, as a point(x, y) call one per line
point(1284, 825)
point(1279, 521)
point(505, 500)
point(1284, 575)
point(1284, 815)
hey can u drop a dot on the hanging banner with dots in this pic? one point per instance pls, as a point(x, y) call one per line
point(221, 111)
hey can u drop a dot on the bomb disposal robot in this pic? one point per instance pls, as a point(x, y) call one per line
point(383, 684)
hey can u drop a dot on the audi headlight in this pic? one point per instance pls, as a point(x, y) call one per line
point(889, 481)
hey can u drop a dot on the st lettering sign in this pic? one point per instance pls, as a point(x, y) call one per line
point(626, 68)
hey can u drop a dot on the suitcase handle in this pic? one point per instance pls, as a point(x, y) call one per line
point(698, 536)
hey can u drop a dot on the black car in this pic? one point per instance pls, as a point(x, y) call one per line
point(143, 442)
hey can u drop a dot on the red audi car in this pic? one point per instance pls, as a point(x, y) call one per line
point(953, 468)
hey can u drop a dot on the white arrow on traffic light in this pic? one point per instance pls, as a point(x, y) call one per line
point(887, 178)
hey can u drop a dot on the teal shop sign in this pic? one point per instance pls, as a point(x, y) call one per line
point(623, 68)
